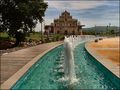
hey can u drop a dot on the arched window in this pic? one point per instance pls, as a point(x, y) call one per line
point(73, 32)
point(58, 32)
point(66, 32)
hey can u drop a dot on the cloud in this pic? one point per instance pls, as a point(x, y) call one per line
point(87, 12)
point(92, 23)
point(74, 5)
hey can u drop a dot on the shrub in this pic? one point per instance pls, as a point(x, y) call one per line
point(96, 40)
point(100, 38)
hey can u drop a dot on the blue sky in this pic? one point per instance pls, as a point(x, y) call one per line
point(88, 12)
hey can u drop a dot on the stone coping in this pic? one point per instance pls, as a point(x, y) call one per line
point(14, 78)
point(105, 62)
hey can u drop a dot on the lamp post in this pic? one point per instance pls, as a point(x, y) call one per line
point(42, 29)
point(95, 31)
point(109, 28)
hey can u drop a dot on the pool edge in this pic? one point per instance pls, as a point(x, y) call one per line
point(112, 76)
point(15, 77)
point(97, 57)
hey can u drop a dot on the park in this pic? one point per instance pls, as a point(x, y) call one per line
point(59, 45)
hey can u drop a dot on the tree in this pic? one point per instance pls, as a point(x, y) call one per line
point(41, 29)
point(20, 16)
point(112, 32)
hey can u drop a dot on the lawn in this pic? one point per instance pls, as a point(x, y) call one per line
point(36, 38)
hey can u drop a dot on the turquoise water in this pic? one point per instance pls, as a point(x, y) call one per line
point(45, 73)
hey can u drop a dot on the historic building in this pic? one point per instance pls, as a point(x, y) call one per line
point(64, 25)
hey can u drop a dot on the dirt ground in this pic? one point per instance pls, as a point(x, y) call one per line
point(109, 48)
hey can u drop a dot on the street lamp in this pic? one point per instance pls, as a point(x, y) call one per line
point(42, 29)
point(109, 28)
point(95, 31)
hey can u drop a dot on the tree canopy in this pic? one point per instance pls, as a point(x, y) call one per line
point(21, 15)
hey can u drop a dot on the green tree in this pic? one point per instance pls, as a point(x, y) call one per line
point(112, 32)
point(19, 17)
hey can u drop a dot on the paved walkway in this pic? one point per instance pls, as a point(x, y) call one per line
point(12, 62)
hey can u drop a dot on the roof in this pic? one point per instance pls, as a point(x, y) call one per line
point(66, 12)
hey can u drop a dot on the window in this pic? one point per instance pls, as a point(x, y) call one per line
point(66, 32)
point(73, 32)
point(58, 32)
point(65, 19)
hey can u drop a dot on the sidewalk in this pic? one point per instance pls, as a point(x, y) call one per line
point(12, 62)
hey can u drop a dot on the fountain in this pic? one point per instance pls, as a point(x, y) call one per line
point(69, 62)
point(56, 69)
point(69, 45)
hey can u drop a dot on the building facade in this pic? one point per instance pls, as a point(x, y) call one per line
point(64, 25)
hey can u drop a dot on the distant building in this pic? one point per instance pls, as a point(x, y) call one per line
point(64, 25)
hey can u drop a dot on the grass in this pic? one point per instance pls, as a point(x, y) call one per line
point(33, 38)
point(4, 34)
point(113, 55)
point(107, 48)
point(36, 36)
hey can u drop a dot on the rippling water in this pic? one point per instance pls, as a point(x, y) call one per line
point(48, 73)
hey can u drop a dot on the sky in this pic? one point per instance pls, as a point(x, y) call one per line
point(88, 12)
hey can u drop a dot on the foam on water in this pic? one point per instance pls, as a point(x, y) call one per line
point(69, 44)
point(69, 68)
